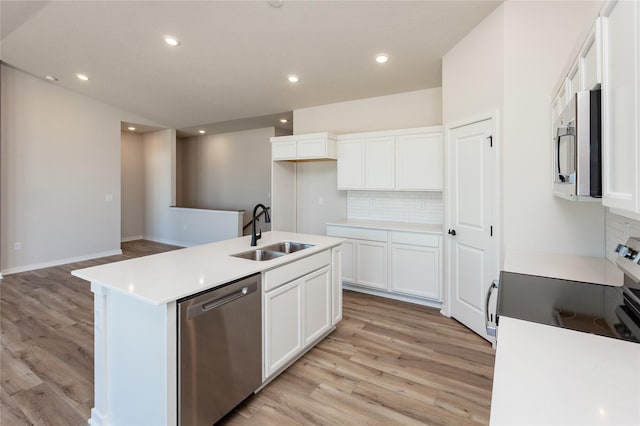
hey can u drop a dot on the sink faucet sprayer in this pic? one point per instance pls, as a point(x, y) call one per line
point(267, 219)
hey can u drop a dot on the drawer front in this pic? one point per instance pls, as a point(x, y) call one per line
point(313, 148)
point(429, 240)
point(283, 150)
point(282, 275)
point(357, 233)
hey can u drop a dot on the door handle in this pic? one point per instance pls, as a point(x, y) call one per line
point(490, 324)
point(452, 232)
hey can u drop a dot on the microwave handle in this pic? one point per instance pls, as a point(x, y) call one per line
point(567, 130)
point(490, 323)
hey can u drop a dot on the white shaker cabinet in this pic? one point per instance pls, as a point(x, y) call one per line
point(350, 164)
point(620, 97)
point(371, 263)
point(317, 304)
point(298, 306)
point(379, 170)
point(590, 58)
point(415, 260)
point(420, 162)
point(391, 263)
point(394, 160)
point(283, 326)
point(336, 283)
point(312, 146)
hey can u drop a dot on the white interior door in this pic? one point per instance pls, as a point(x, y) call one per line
point(472, 241)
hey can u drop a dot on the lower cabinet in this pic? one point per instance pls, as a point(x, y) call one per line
point(283, 325)
point(371, 263)
point(296, 313)
point(415, 271)
point(391, 262)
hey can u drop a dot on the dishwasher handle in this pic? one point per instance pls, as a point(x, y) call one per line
point(206, 306)
point(216, 302)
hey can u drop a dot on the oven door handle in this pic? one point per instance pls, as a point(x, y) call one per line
point(490, 324)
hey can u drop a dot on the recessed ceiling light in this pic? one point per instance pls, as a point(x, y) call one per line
point(82, 77)
point(202, 132)
point(381, 58)
point(131, 128)
point(171, 40)
point(293, 78)
point(284, 120)
point(51, 78)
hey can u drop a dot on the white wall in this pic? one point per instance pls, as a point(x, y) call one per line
point(60, 158)
point(230, 171)
point(472, 72)
point(410, 109)
point(158, 159)
point(534, 59)
point(510, 63)
point(318, 200)
point(132, 187)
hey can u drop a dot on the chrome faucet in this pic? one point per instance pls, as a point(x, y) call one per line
point(267, 219)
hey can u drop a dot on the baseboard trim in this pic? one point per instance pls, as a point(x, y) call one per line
point(166, 241)
point(34, 266)
point(133, 238)
point(402, 298)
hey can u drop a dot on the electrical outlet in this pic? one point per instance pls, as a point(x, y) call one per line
point(108, 198)
point(321, 201)
point(17, 246)
point(627, 230)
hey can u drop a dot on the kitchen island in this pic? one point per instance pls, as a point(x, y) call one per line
point(135, 316)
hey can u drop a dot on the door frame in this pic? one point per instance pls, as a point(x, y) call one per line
point(494, 115)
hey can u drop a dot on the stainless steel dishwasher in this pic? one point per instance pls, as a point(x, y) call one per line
point(219, 350)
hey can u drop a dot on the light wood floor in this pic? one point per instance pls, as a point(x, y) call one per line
point(387, 363)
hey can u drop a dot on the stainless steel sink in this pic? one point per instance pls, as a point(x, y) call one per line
point(288, 247)
point(273, 251)
point(259, 254)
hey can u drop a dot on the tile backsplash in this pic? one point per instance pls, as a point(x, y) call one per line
point(414, 207)
point(618, 229)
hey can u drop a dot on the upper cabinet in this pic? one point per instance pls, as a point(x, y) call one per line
point(314, 146)
point(620, 110)
point(585, 72)
point(402, 160)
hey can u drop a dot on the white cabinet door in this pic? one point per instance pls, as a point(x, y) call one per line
point(336, 283)
point(419, 162)
point(284, 150)
point(350, 164)
point(415, 270)
point(379, 168)
point(620, 113)
point(590, 58)
point(371, 263)
point(574, 80)
point(348, 251)
point(317, 304)
point(283, 326)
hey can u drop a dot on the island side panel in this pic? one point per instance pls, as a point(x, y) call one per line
point(135, 361)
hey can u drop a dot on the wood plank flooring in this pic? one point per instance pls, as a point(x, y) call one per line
point(387, 363)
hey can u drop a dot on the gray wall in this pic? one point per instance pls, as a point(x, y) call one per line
point(229, 171)
point(132, 216)
point(60, 156)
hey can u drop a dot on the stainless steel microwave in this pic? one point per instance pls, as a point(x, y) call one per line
point(577, 148)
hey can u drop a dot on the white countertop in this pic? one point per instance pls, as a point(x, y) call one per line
point(596, 270)
point(553, 376)
point(390, 226)
point(165, 277)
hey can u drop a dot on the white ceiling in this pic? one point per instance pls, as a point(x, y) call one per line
point(235, 55)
